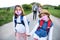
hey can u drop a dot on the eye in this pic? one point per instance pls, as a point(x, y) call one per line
point(15, 9)
point(19, 9)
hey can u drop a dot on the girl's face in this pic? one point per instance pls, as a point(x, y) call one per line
point(42, 15)
point(18, 10)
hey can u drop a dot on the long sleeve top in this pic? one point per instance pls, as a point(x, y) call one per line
point(25, 22)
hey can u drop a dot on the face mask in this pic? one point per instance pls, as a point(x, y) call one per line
point(18, 12)
point(45, 18)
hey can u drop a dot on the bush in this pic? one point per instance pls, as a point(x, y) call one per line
point(27, 7)
point(57, 7)
point(5, 15)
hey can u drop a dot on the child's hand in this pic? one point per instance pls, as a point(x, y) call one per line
point(48, 27)
point(40, 26)
point(27, 35)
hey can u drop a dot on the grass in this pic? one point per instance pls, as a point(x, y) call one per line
point(55, 12)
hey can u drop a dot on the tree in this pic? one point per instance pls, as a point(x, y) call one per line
point(27, 7)
point(8, 9)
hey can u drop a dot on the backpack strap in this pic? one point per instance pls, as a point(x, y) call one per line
point(47, 22)
point(22, 21)
point(15, 20)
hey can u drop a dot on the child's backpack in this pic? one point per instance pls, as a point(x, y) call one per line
point(42, 32)
point(22, 21)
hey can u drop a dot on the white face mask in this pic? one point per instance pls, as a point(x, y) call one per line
point(18, 12)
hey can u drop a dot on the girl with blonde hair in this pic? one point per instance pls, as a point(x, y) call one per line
point(43, 26)
point(20, 23)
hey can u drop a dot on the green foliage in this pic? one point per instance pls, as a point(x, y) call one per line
point(57, 7)
point(27, 7)
point(55, 12)
point(5, 15)
point(48, 7)
point(8, 9)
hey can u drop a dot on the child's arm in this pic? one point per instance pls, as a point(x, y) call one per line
point(34, 29)
point(26, 25)
point(13, 22)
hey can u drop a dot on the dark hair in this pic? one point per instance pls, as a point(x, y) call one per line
point(21, 9)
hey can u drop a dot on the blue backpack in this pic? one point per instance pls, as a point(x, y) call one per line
point(22, 21)
point(42, 32)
